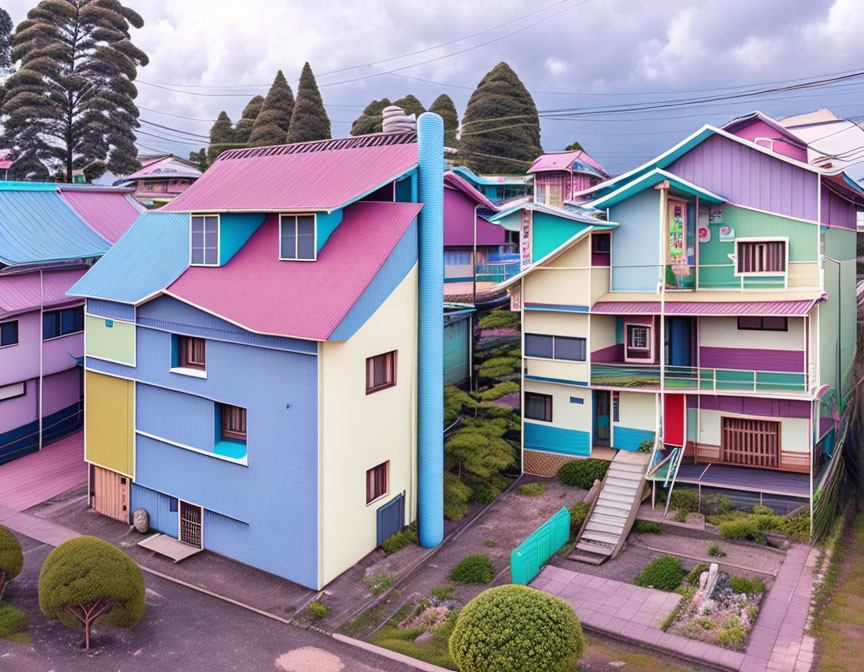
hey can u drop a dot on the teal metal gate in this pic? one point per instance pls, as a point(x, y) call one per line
point(544, 542)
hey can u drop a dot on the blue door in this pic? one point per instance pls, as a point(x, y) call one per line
point(391, 518)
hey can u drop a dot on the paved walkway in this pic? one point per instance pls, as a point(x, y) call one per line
point(39, 476)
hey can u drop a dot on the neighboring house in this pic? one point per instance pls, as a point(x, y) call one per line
point(49, 235)
point(263, 355)
point(716, 318)
point(160, 179)
point(497, 188)
point(560, 176)
point(832, 142)
point(458, 343)
point(5, 164)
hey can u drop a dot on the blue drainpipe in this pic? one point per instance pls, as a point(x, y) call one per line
point(430, 342)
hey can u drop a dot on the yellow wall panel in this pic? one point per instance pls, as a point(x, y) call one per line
point(112, 340)
point(109, 422)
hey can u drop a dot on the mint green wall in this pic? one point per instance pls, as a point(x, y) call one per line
point(327, 224)
point(109, 339)
point(549, 232)
point(234, 230)
point(829, 335)
point(750, 224)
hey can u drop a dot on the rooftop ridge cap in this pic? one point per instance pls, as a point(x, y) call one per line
point(351, 142)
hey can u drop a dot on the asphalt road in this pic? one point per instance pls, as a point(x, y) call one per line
point(182, 630)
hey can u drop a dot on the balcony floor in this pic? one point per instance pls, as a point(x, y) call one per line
point(753, 479)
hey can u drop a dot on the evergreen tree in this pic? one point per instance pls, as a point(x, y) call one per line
point(410, 104)
point(500, 120)
point(5, 40)
point(221, 136)
point(573, 147)
point(72, 103)
point(250, 113)
point(199, 158)
point(443, 106)
point(309, 121)
point(370, 120)
point(271, 123)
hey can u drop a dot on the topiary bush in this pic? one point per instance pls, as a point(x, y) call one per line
point(399, 541)
point(739, 584)
point(664, 573)
point(577, 516)
point(473, 569)
point(583, 473)
point(11, 558)
point(87, 580)
point(516, 629)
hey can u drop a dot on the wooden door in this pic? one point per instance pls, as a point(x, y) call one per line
point(751, 443)
point(110, 493)
point(190, 524)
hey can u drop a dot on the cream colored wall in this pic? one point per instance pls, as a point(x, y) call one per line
point(602, 332)
point(577, 256)
point(556, 368)
point(794, 432)
point(803, 275)
point(599, 283)
point(556, 324)
point(723, 332)
point(565, 414)
point(637, 410)
point(559, 287)
point(360, 431)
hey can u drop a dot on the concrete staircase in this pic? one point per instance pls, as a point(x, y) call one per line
point(611, 516)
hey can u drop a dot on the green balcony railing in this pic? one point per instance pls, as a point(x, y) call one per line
point(695, 378)
point(626, 375)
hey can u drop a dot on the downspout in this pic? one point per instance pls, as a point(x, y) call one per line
point(430, 322)
point(41, 347)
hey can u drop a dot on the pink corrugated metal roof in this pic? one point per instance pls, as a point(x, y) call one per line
point(167, 166)
point(21, 291)
point(299, 298)
point(563, 160)
point(318, 176)
point(463, 185)
point(111, 213)
point(787, 308)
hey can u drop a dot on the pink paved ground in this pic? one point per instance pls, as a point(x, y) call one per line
point(40, 476)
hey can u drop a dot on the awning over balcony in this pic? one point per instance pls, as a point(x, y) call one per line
point(797, 308)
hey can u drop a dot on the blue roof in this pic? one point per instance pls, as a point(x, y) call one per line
point(150, 256)
point(38, 225)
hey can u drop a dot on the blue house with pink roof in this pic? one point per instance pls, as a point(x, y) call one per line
point(254, 353)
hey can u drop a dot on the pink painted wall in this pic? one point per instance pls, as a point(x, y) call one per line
point(759, 129)
point(20, 410)
point(61, 390)
point(459, 212)
point(59, 353)
point(21, 362)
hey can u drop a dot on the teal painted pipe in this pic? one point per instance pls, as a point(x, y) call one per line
point(430, 342)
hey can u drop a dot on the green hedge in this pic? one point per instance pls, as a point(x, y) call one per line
point(647, 527)
point(739, 584)
point(665, 573)
point(517, 629)
point(399, 541)
point(473, 569)
point(583, 473)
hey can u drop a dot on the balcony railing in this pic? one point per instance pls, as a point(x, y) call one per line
point(695, 378)
point(497, 271)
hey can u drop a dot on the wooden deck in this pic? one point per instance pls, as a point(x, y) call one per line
point(767, 481)
point(39, 476)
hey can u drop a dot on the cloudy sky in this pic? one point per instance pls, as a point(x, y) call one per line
point(588, 55)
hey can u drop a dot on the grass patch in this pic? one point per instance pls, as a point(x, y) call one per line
point(364, 621)
point(13, 624)
point(716, 551)
point(399, 541)
point(401, 640)
point(316, 611)
point(490, 543)
point(647, 527)
point(499, 390)
point(531, 489)
point(599, 653)
point(443, 593)
point(379, 583)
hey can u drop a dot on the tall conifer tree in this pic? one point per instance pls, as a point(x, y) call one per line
point(500, 122)
point(410, 104)
point(443, 106)
point(274, 118)
point(72, 103)
point(221, 136)
point(309, 121)
point(250, 113)
point(5, 40)
point(370, 120)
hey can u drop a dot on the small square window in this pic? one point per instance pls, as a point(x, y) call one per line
point(204, 242)
point(638, 343)
point(192, 353)
point(376, 482)
point(9, 333)
point(538, 406)
point(297, 239)
point(233, 423)
point(380, 372)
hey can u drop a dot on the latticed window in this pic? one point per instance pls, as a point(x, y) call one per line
point(761, 256)
point(205, 240)
point(297, 237)
point(380, 372)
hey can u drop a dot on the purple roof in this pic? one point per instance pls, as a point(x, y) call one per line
point(21, 291)
point(455, 181)
point(563, 161)
point(110, 212)
point(323, 175)
point(788, 308)
point(293, 298)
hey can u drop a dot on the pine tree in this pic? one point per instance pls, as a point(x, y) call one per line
point(309, 121)
point(72, 103)
point(243, 129)
point(410, 104)
point(271, 123)
point(371, 119)
point(573, 147)
point(221, 136)
point(5, 40)
point(443, 106)
point(500, 120)
point(199, 158)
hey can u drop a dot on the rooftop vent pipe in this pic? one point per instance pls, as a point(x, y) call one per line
point(396, 121)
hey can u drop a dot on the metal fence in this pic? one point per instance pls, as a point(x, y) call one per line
point(544, 542)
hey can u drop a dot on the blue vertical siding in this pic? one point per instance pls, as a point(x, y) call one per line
point(627, 438)
point(224, 535)
point(191, 422)
point(162, 518)
point(111, 309)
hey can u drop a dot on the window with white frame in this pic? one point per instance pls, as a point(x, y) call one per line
point(638, 344)
point(297, 237)
point(204, 241)
point(760, 257)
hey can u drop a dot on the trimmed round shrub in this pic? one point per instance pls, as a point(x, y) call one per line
point(473, 569)
point(583, 473)
point(516, 629)
point(87, 580)
point(11, 558)
point(664, 573)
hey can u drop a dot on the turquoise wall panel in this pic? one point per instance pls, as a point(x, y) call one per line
point(457, 345)
point(544, 542)
point(627, 438)
point(557, 440)
point(326, 224)
point(549, 232)
point(234, 230)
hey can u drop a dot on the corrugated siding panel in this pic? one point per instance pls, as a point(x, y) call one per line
point(627, 438)
point(111, 213)
point(192, 420)
point(557, 440)
point(225, 536)
point(456, 347)
point(748, 177)
point(162, 518)
point(127, 272)
point(837, 211)
point(108, 420)
point(111, 309)
point(115, 342)
point(23, 290)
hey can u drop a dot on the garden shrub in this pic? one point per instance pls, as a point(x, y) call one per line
point(646, 446)
point(716, 505)
point(696, 573)
point(732, 635)
point(499, 390)
point(500, 318)
point(739, 584)
point(577, 516)
point(473, 569)
point(399, 541)
point(499, 366)
point(647, 527)
point(761, 510)
point(317, 611)
point(443, 593)
point(13, 623)
point(531, 489)
point(89, 571)
point(379, 583)
point(456, 496)
point(664, 573)
point(516, 629)
point(483, 493)
point(681, 516)
point(749, 528)
point(11, 558)
point(716, 551)
point(583, 473)
point(684, 500)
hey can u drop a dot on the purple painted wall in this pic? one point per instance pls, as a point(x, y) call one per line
point(751, 359)
point(772, 408)
point(59, 354)
point(61, 391)
point(20, 410)
point(746, 176)
point(614, 354)
point(21, 362)
point(459, 223)
point(759, 129)
point(837, 211)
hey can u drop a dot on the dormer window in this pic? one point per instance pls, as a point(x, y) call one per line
point(204, 240)
point(297, 241)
